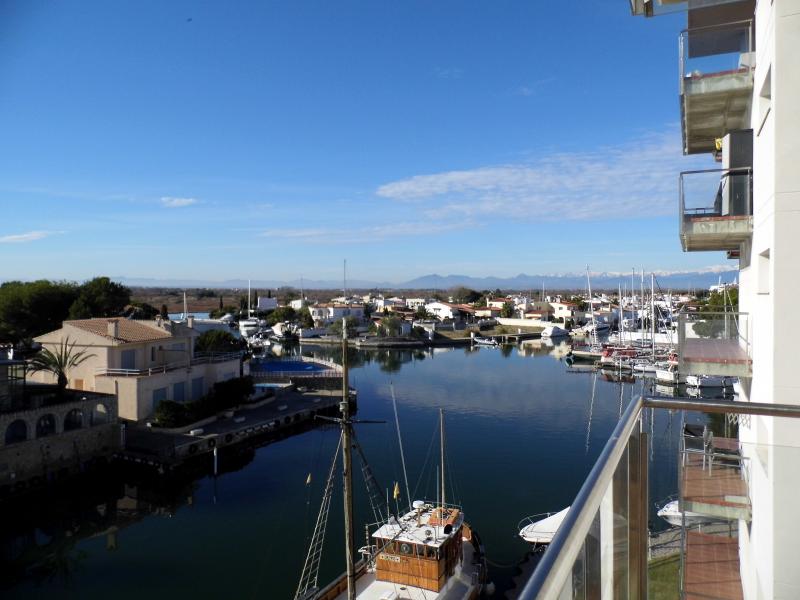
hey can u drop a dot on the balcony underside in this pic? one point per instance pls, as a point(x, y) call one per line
point(724, 357)
point(712, 105)
point(715, 232)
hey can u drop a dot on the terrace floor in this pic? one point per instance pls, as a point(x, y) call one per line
point(712, 484)
point(711, 568)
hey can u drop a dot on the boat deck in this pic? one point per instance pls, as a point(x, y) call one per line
point(458, 587)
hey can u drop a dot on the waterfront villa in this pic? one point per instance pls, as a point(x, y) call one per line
point(141, 362)
point(326, 314)
point(739, 89)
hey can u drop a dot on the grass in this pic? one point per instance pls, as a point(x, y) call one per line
point(663, 574)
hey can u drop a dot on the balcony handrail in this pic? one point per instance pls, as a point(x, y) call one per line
point(683, 212)
point(682, 46)
point(726, 25)
point(555, 566)
point(720, 170)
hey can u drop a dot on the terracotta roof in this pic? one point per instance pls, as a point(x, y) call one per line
point(128, 330)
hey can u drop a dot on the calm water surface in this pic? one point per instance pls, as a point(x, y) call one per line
point(522, 434)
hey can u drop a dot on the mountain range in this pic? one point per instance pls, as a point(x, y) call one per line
point(567, 281)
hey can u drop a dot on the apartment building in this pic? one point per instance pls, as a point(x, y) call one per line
point(739, 92)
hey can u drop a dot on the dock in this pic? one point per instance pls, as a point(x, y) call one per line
point(274, 418)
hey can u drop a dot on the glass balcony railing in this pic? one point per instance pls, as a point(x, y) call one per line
point(716, 209)
point(656, 8)
point(716, 82)
point(714, 345)
point(734, 505)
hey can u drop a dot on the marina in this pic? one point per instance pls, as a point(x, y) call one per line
point(261, 492)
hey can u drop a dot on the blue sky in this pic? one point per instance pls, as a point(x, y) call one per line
point(272, 140)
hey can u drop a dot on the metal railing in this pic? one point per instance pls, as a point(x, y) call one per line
point(200, 358)
point(714, 338)
point(715, 193)
point(725, 49)
point(613, 501)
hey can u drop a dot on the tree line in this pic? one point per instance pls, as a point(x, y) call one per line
point(29, 309)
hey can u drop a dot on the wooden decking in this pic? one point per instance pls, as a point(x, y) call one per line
point(715, 351)
point(711, 568)
point(713, 484)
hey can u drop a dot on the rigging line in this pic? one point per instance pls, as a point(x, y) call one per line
point(310, 574)
point(400, 442)
point(427, 458)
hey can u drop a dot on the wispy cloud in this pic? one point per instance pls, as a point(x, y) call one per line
point(449, 72)
point(22, 238)
point(171, 202)
point(631, 180)
point(530, 89)
point(366, 234)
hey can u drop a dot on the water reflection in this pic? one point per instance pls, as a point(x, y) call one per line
point(523, 432)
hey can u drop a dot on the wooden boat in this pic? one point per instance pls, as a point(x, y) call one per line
point(430, 552)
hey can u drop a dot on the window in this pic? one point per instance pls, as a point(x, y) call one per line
point(763, 273)
point(765, 100)
point(197, 388)
point(179, 391)
point(152, 354)
point(128, 359)
point(159, 395)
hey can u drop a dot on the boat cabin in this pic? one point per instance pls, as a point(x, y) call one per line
point(422, 548)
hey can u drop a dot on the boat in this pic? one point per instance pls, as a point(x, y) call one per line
point(554, 331)
point(247, 327)
point(668, 375)
point(540, 529)
point(482, 341)
point(428, 552)
point(708, 381)
point(672, 514)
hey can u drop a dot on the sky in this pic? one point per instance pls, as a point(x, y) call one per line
point(273, 140)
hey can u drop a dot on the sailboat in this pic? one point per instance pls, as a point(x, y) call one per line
point(429, 552)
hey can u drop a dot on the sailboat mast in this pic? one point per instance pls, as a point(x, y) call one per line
point(347, 462)
point(653, 313)
point(641, 284)
point(249, 312)
point(441, 436)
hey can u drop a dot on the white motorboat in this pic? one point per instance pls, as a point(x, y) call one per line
point(248, 327)
point(482, 341)
point(540, 529)
point(712, 381)
point(553, 331)
point(672, 514)
point(668, 375)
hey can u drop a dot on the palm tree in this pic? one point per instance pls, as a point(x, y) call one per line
point(59, 362)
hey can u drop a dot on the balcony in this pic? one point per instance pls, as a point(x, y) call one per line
point(716, 209)
point(601, 549)
point(200, 358)
point(656, 8)
point(714, 344)
point(716, 83)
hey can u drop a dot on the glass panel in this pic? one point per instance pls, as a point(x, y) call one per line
point(620, 511)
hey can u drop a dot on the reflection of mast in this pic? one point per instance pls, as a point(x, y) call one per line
point(441, 449)
point(591, 408)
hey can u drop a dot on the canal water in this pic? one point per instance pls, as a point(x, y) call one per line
point(522, 429)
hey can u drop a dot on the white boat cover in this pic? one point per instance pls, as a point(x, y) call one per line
point(542, 531)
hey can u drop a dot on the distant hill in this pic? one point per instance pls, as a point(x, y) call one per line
point(569, 281)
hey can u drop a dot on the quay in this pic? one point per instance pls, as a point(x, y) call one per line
point(273, 418)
